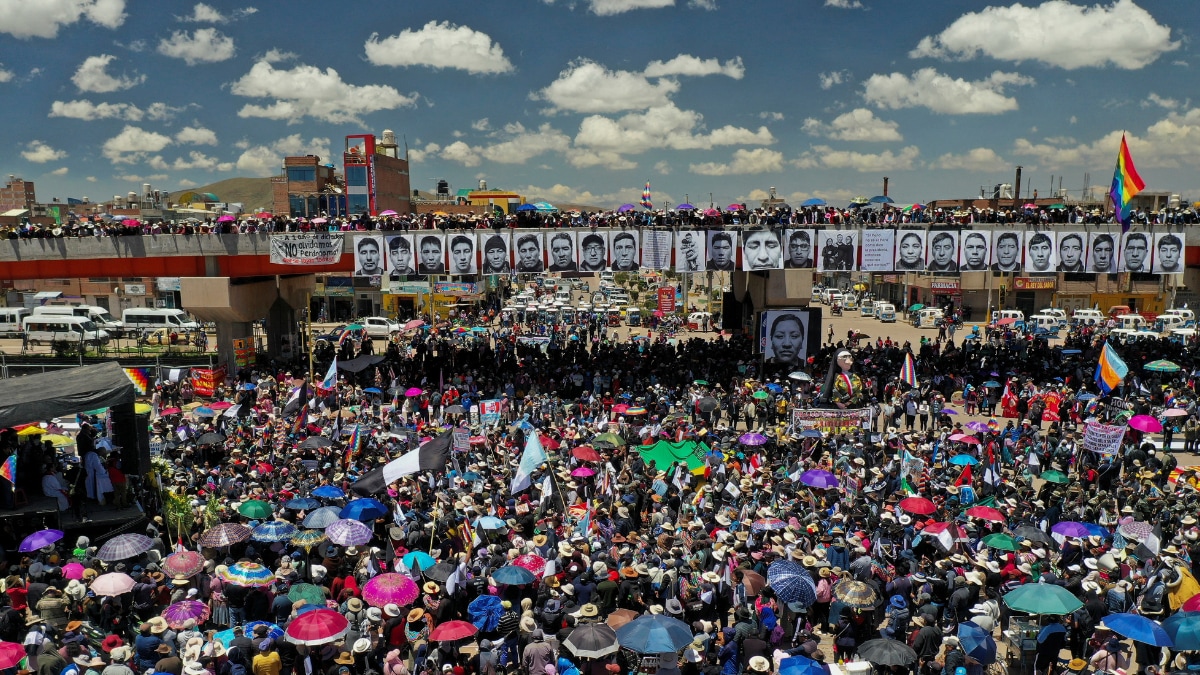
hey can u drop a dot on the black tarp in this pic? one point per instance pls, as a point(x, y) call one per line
point(68, 391)
point(361, 363)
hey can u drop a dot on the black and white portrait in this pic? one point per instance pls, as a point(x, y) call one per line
point(722, 248)
point(784, 336)
point(910, 251)
point(942, 255)
point(761, 250)
point(837, 250)
point(798, 249)
point(624, 247)
point(495, 254)
point(1039, 252)
point(460, 254)
point(1101, 253)
point(562, 251)
point(1071, 252)
point(690, 251)
point(973, 251)
point(593, 251)
point(528, 253)
point(400, 257)
point(1168, 253)
point(1135, 252)
point(1006, 251)
point(430, 258)
point(368, 256)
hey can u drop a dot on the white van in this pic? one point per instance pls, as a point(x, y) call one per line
point(10, 321)
point(867, 308)
point(1182, 335)
point(885, 312)
point(50, 328)
point(1059, 314)
point(929, 317)
point(98, 314)
point(1046, 322)
point(149, 318)
point(1017, 315)
point(1133, 322)
point(1129, 335)
point(1088, 317)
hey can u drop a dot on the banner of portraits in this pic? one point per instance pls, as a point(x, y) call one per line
point(465, 253)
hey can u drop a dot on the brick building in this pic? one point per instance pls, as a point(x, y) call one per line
point(17, 194)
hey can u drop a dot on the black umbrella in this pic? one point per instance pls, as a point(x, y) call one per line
point(315, 442)
point(454, 410)
point(592, 641)
point(883, 652)
point(708, 404)
point(1032, 533)
point(439, 572)
point(210, 438)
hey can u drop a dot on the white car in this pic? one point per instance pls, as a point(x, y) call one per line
point(379, 326)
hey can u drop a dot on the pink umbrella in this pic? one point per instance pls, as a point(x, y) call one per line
point(73, 571)
point(112, 584)
point(413, 391)
point(179, 613)
point(390, 588)
point(226, 219)
point(320, 221)
point(183, 564)
point(583, 472)
point(1175, 412)
point(318, 627)
point(969, 440)
point(532, 562)
point(221, 405)
point(1145, 423)
point(389, 212)
point(957, 437)
point(620, 408)
point(415, 323)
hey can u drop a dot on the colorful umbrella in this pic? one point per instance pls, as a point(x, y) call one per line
point(390, 587)
point(799, 665)
point(413, 391)
point(348, 532)
point(819, 478)
point(964, 460)
point(856, 594)
point(768, 525)
point(249, 574)
point(183, 564)
point(113, 584)
point(311, 594)
point(1145, 423)
point(654, 634)
point(986, 513)
point(753, 581)
point(318, 627)
point(224, 535)
point(255, 509)
point(184, 610)
point(609, 438)
point(450, 631)
point(72, 570)
point(124, 546)
point(752, 439)
point(1042, 599)
point(1137, 529)
point(583, 472)
point(977, 427)
point(532, 562)
point(489, 523)
point(485, 612)
point(792, 583)
point(1070, 528)
point(273, 531)
point(1161, 366)
point(308, 538)
point(918, 505)
point(40, 539)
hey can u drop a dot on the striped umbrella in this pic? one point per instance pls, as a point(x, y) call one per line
point(183, 564)
point(179, 613)
point(767, 525)
point(348, 532)
point(792, 583)
point(322, 517)
point(124, 546)
point(308, 538)
point(248, 574)
point(273, 531)
point(908, 371)
point(390, 588)
point(856, 594)
point(225, 535)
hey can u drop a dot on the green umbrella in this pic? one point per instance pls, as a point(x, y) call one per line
point(1162, 366)
point(664, 453)
point(703, 383)
point(309, 593)
point(1042, 599)
point(1001, 541)
point(609, 438)
point(916, 308)
point(353, 326)
point(255, 508)
point(761, 394)
point(1053, 476)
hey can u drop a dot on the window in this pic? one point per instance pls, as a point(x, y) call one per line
point(356, 175)
point(356, 203)
point(301, 173)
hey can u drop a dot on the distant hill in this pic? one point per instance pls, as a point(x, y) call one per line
point(254, 193)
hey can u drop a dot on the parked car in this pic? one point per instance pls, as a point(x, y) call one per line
point(379, 326)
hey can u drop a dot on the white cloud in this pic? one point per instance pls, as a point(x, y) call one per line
point(40, 153)
point(194, 160)
point(844, 4)
point(611, 7)
point(83, 109)
point(527, 144)
point(1155, 99)
point(481, 124)
point(5, 75)
point(686, 64)
point(439, 45)
point(185, 183)
point(159, 112)
point(93, 76)
point(60, 171)
point(1056, 33)
point(927, 88)
point(203, 13)
point(827, 157)
point(206, 45)
point(265, 160)
point(91, 179)
point(602, 141)
point(417, 155)
point(664, 167)
point(1167, 144)
point(976, 159)
point(133, 144)
point(588, 87)
point(710, 5)
point(308, 91)
point(566, 194)
point(833, 78)
point(859, 124)
point(462, 153)
point(772, 116)
point(758, 160)
point(43, 18)
point(196, 136)
point(138, 178)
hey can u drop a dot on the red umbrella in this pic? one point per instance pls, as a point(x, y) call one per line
point(918, 505)
point(532, 562)
point(170, 411)
point(620, 408)
point(548, 443)
point(1145, 423)
point(986, 513)
point(452, 630)
point(1006, 321)
point(318, 627)
point(183, 564)
point(1192, 605)
point(11, 654)
point(586, 453)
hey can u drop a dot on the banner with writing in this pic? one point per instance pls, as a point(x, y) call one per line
point(306, 248)
point(206, 380)
point(1103, 438)
point(831, 420)
point(491, 409)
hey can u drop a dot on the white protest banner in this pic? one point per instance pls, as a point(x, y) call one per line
point(306, 248)
point(1103, 438)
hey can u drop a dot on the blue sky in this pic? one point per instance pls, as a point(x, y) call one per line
point(584, 100)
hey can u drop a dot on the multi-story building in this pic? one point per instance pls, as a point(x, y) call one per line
point(17, 194)
point(377, 178)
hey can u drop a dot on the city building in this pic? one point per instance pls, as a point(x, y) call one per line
point(307, 188)
point(17, 195)
point(376, 176)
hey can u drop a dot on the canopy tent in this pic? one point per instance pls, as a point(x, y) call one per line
point(664, 453)
point(361, 363)
point(64, 392)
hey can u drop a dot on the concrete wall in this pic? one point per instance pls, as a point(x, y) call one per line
point(163, 245)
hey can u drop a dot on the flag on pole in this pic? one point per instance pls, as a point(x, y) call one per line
point(964, 478)
point(1111, 370)
point(1126, 184)
point(646, 203)
point(330, 380)
point(908, 371)
point(352, 446)
point(532, 457)
point(9, 469)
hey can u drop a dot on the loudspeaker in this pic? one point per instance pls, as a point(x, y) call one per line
point(132, 433)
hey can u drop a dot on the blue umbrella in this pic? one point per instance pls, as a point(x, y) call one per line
point(301, 504)
point(489, 523)
point(1184, 630)
point(274, 632)
point(774, 388)
point(511, 575)
point(249, 386)
point(485, 612)
point(329, 492)
point(654, 634)
point(372, 390)
point(225, 637)
point(1139, 629)
point(419, 559)
point(799, 665)
point(527, 207)
point(813, 201)
point(881, 199)
point(273, 531)
point(1084, 396)
point(991, 383)
point(366, 509)
point(204, 411)
point(322, 517)
point(810, 433)
point(792, 583)
point(1071, 351)
point(963, 460)
point(977, 643)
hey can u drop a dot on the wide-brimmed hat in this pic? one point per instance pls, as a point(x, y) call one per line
point(158, 625)
point(354, 605)
point(415, 614)
point(431, 587)
point(589, 610)
point(760, 664)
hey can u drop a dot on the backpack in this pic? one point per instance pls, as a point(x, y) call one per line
point(1152, 599)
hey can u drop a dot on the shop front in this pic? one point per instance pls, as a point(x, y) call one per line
point(946, 293)
point(1031, 294)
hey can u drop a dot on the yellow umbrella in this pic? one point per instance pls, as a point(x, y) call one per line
point(141, 408)
point(860, 287)
point(58, 441)
point(31, 431)
point(193, 405)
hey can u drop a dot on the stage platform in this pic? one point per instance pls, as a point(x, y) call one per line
point(42, 513)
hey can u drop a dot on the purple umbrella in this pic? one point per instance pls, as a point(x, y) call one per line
point(625, 207)
point(1070, 528)
point(948, 411)
point(752, 439)
point(819, 478)
point(1138, 530)
point(178, 614)
point(977, 427)
point(39, 539)
point(685, 207)
point(348, 532)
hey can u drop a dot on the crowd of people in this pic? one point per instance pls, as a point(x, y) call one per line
point(490, 504)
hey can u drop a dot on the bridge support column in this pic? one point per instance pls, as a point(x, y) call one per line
point(282, 336)
point(227, 332)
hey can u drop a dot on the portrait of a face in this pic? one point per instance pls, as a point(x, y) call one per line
point(1006, 251)
point(783, 336)
point(761, 250)
point(799, 249)
point(1135, 252)
point(1039, 252)
point(1101, 253)
point(495, 254)
point(689, 251)
point(430, 253)
point(720, 250)
point(974, 254)
point(462, 254)
point(1070, 251)
point(624, 251)
point(943, 252)
point(529, 253)
point(562, 251)
point(400, 254)
point(1168, 253)
point(368, 256)
point(910, 250)
point(593, 252)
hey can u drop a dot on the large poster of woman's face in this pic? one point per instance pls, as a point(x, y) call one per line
point(1101, 253)
point(973, 253)
point(1006, 251)
point(837, 250)
point(798, 249)
point(460, 254)
point(593, 251)
point(943, 251)
point(1039, 252)
point(430, 254)
point(624, 246)
point(562, 251)
point(785, 335)
point(495, 253)
point(368, 256)
point(690, 251)
point(761, 250)
point(656, 249)
point(528, 250)
point(1071, 249)
point(722, 247)
point(910, 250)
point(400, 257)
point(1168, 253)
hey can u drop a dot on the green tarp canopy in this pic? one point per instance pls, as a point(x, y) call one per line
point(666, 453)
